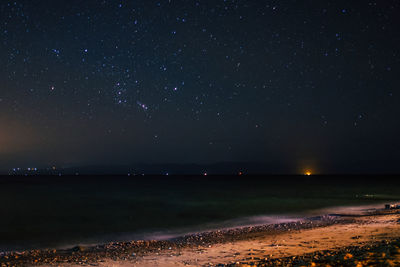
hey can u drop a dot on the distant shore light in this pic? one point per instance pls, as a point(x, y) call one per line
point(308, 173)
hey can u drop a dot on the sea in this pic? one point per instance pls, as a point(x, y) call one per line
point(40, 212)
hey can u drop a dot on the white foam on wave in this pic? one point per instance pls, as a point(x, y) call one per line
point(347, 210)
point(250, 221)
point(259, 220)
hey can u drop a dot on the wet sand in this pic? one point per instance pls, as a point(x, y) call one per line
point(346, 240)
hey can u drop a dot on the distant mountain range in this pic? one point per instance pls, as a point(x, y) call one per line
point(221, 168)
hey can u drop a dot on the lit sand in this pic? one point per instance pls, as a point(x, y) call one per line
point(363, 231)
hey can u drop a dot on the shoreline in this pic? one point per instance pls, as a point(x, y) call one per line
point(252, 222)
point(131, 250)
point(138, 252)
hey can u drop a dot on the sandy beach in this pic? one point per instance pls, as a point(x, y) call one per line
point(313, 241)
point(361, 232)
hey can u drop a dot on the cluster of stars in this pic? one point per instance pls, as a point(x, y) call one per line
point(230, 64)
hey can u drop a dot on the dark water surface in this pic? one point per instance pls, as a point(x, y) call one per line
point(50, 212)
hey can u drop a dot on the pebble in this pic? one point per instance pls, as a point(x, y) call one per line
point(129, 250)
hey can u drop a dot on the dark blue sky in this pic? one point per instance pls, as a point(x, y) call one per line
point(299, 83)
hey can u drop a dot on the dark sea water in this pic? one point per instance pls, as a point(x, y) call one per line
point(54, 212)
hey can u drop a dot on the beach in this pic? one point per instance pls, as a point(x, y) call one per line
point(347, 239)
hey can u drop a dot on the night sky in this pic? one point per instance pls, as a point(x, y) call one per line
point(302, 83)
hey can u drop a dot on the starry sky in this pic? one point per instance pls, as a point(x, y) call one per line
point(302, 83)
